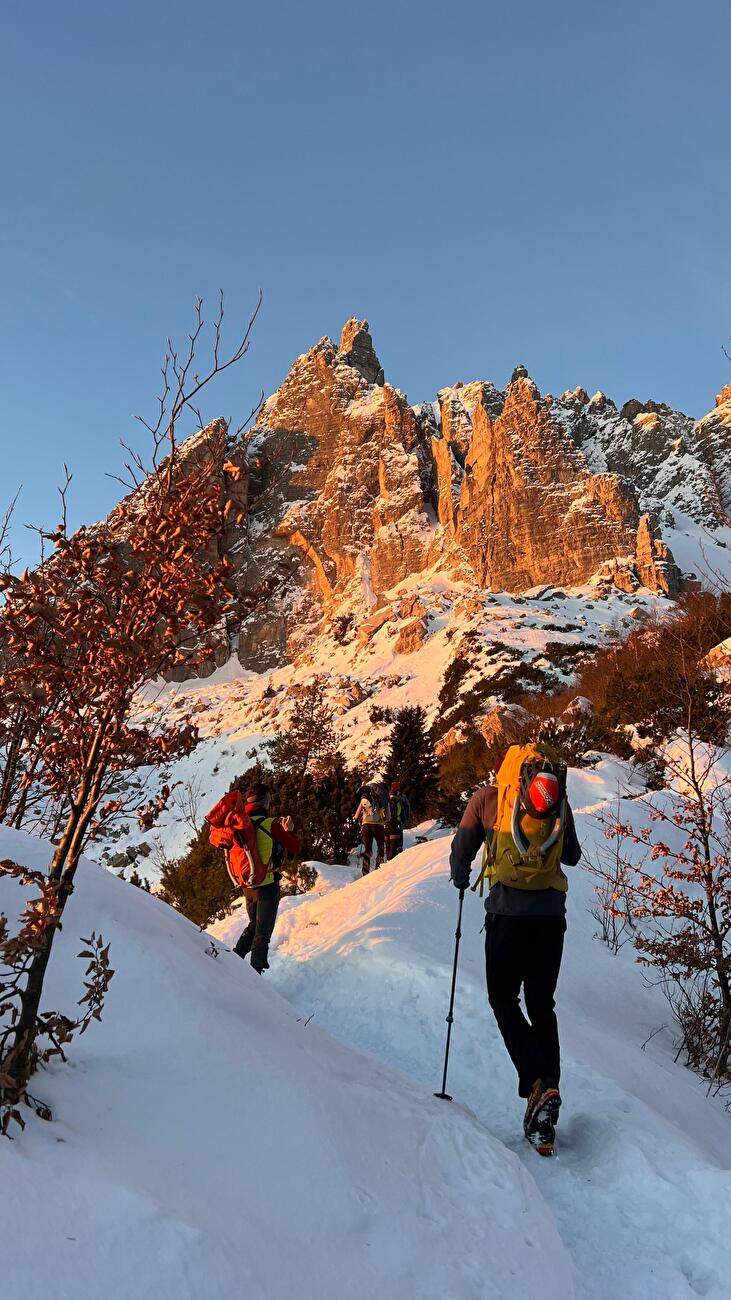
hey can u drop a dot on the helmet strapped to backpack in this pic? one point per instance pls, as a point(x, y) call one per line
point(542, 786)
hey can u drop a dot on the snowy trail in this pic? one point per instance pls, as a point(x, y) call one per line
point(642, 1182)
point(208, 1144)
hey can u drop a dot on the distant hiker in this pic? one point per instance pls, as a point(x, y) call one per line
point(399, 810)
point(372, 813)
point(527, 829)
point(254, 844)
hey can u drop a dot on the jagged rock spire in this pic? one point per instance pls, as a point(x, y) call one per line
point(655, 563)
point(357, 350)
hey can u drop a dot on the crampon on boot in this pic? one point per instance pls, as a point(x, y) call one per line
point(541, 1117)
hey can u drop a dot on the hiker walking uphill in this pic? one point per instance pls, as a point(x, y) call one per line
point(527, 829)
point(254, 844)
point(372, 813)
point(399, 810)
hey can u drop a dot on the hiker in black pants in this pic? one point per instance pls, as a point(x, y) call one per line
point(399, 810)
point(274, 837)
point(525, 930)
point(372, 814)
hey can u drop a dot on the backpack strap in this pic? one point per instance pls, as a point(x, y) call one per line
point(489, 848)
point(258, 824)
point(489, 851)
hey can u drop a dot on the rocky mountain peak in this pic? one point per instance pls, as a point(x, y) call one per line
point(357, 350)
point(348, 491)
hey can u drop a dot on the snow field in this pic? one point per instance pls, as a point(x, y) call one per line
point(641, 1184)
point(207, 1142)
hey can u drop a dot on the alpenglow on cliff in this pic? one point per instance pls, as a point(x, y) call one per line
point(348, 489)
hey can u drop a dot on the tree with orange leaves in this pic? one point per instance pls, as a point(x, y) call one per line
point(113, 607)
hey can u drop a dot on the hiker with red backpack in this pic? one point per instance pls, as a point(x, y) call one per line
point(526, 828)
point(254, 845)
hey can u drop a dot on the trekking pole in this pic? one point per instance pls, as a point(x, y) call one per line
point(444, 1095)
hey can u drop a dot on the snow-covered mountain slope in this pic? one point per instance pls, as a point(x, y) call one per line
point(544, 631)
point(207, 1142)
point(642, 1180)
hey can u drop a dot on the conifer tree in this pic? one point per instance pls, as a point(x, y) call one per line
point(198, 884)
point(412, 761)
point(309, 742)
point(336, 800)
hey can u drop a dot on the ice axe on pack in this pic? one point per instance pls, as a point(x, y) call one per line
point(444, 1095)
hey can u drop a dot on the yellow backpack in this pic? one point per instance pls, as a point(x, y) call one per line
point(524, 849)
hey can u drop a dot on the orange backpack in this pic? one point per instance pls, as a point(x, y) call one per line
point(524, 851)
point(232, 829)
point(230, 803)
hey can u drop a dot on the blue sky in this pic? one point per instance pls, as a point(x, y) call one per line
point(486, 183)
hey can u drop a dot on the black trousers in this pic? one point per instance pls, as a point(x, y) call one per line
point(525, 951)
point(394, 843)
point(373, 835)
point(261, 904)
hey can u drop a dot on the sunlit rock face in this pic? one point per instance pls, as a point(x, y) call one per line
point(530, 508)
point(713, 444)
point(346, 490)
point(346, 498)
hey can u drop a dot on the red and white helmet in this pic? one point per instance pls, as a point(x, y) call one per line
point(541, 790)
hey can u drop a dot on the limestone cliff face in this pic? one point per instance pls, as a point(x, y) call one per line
point(673, 463)
point(713, 442)
point(347, 483)
point(360, 482)
point(530, 509)
point(348, 489)
point(656, 567)
point(451, 445)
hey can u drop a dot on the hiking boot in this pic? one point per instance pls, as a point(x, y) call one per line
point(543, 1137)
point(542, 1111)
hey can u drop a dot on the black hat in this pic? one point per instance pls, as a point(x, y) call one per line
point(258, 793)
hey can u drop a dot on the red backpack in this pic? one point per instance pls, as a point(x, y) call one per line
point(232, 829)
point(231, 803)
